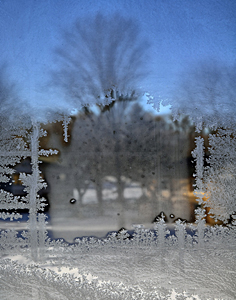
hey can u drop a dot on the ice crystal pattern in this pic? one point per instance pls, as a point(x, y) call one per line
point(196, 262)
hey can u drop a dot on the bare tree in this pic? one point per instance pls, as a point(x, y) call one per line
point(207, 93)
point(13, 111)
point(102, 59)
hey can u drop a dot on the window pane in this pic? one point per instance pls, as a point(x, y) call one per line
point(117, 150)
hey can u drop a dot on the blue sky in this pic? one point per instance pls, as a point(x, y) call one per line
point(182, 32)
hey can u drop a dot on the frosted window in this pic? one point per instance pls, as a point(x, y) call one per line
point(117, 150)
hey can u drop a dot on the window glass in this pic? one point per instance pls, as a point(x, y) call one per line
point(117, 146)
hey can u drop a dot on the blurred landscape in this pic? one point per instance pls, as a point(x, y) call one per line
point(121, 166)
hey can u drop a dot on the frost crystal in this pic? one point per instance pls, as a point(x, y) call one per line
point(105, 65)
point(220, 175)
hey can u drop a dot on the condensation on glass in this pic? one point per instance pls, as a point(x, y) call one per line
point(101, 195)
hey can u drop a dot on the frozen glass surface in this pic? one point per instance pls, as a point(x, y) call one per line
point(117, 150)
